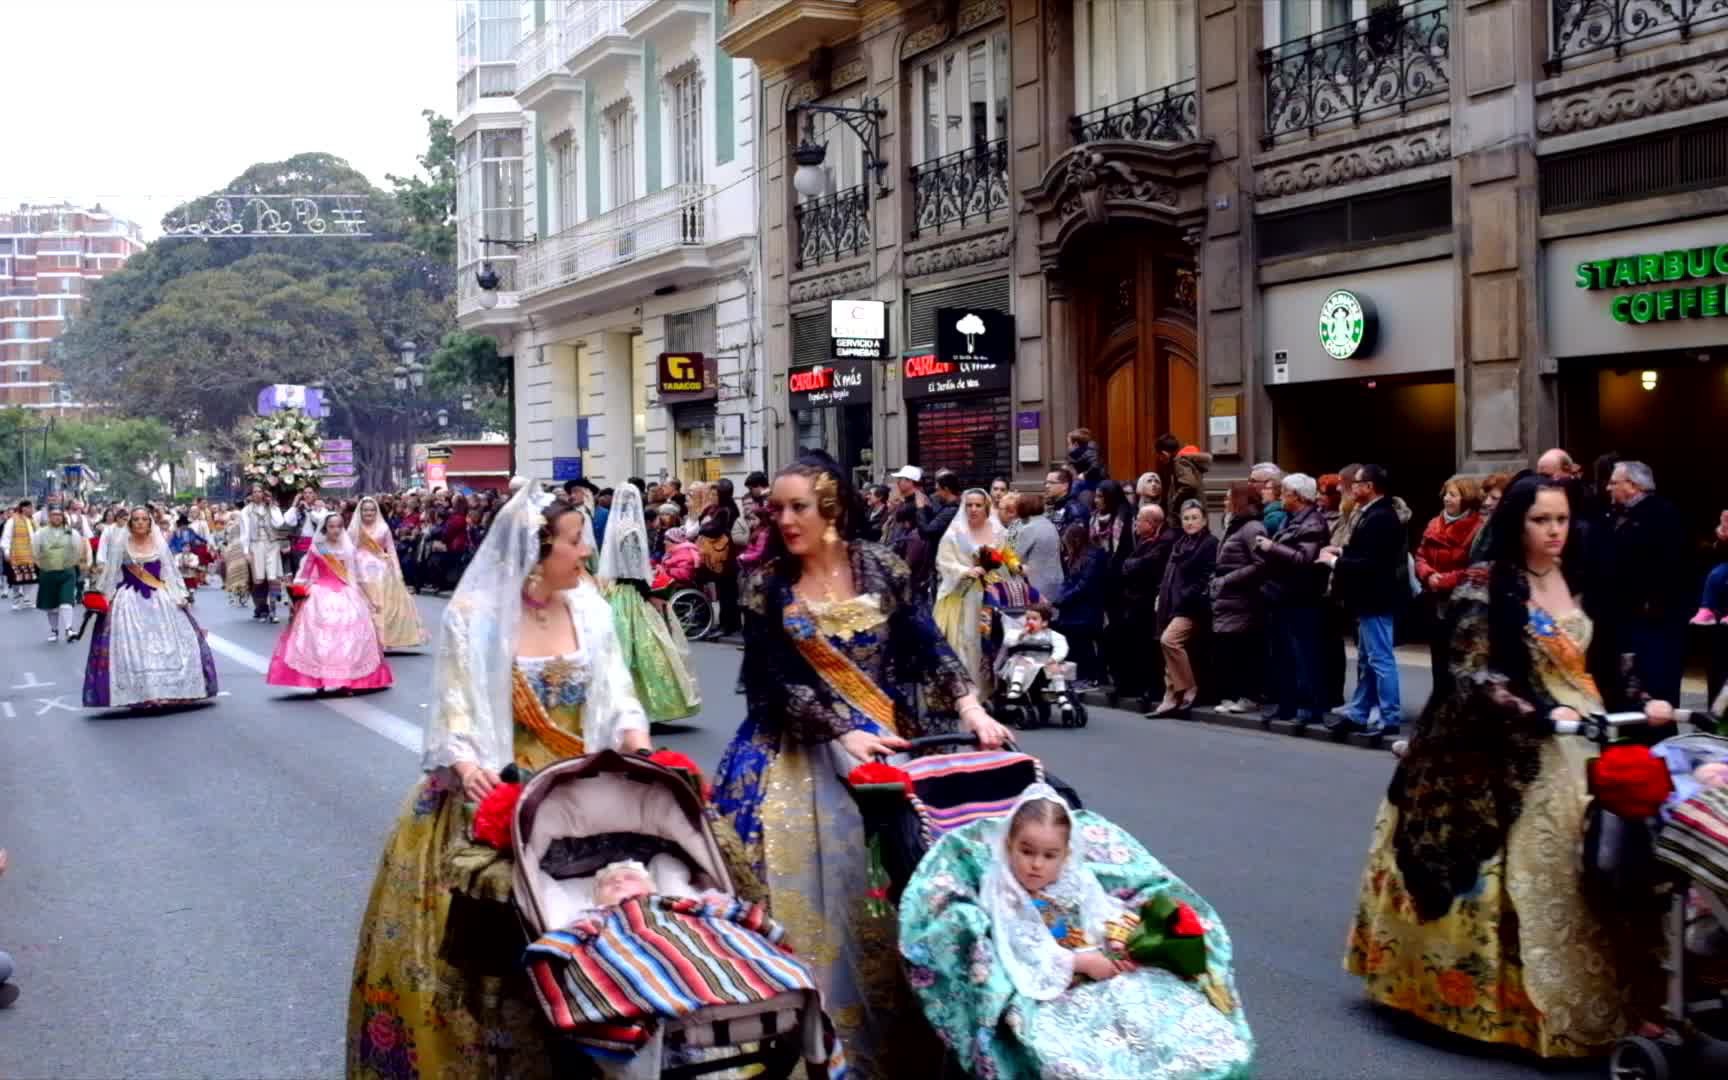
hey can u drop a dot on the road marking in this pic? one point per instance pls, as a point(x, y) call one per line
point(367, 715)
point(30, 682)
point(11, 713)
point(49, 704)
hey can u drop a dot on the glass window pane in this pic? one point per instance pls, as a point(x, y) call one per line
point(953, 103)
point(978, 94)
point(932, 112)
point(1293, 19)
point(1003, 83)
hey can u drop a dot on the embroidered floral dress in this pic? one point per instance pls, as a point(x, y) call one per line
point(331, 643)
point(413, 1013)
point(811, 673)
point(394, 614)
point(1145, 1023)
point(146, 649)
point(1479, 926)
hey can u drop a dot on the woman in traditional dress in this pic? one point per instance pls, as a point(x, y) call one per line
point(528, 671)
point(331, 643)
point(835, 645)
point(959, 588)
point(146, 649)
point(61, 554)
point(1472, 915)
point(393, 610)
point(16, 552)
point(653, 654)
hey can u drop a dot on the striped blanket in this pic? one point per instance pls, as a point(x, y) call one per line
point(1696, 838)
point(951, 790)
point(613, 975)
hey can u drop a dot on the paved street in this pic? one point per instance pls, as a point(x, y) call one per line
point(185, 888)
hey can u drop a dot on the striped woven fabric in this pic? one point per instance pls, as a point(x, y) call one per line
point(974, 761)
point(945, 819)
point(1696, 838)
point(951, 790)
point(610, 975)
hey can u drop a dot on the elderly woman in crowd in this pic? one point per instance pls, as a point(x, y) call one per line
point(1183, 607)
point(1442, 556)
point(1149, 490)
point(1038, 545)
point(1238, 617)
point(1494, 487)
point(1295, 592)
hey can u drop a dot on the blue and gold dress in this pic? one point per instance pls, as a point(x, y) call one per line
point(813, 672)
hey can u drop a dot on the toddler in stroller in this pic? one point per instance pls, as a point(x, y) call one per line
point(1032, 672)
point(639, 951)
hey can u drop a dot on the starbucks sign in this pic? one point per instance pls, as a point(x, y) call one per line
point(1347, 325)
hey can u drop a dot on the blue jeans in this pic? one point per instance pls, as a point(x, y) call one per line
point(1376, 673)
point(1716, 589)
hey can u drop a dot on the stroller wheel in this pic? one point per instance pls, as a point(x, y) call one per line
point(1638, 1058)
point(1080, 716)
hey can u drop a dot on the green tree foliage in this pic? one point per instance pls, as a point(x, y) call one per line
point(430, 203)
point(466, 363)
point(126, 452)
point(190, 330)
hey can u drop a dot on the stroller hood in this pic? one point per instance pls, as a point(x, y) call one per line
point(606, 795)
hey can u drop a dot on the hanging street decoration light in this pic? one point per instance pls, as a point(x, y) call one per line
point(811, 180)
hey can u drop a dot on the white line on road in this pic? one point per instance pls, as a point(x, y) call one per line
point(368, 716)
point(30, 682)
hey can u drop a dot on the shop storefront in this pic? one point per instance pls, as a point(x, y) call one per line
point(1360, 368)
point(831, 399)
point(688, 388)
point(958, 396)
point(1637, 323)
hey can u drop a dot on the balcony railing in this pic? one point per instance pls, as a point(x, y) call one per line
point(1385, 62)
point(673, 218)
point(833, 227)
point(965, 188)
point(1582, 27)
point(1169, 114)
point(538, 53)
point(578, 25)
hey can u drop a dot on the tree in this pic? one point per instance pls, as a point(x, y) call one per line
point(430, 204)
point(467, 363)
point(190, 331)
point(127, 453)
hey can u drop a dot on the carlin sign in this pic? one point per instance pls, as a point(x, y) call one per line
point(821, 386)
point(928, 376)
point(858, 329)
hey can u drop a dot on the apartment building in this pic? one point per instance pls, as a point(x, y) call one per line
point(50, 256)
point(1440, 234)
point(621, 178)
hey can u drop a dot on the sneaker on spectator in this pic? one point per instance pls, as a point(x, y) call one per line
point(1705, 617)
point(1228, 707)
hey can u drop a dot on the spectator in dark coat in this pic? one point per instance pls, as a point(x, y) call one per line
point(1082, 451)
point(935, 516)
point(875, 526)
point(1060, 503)
point(1111, 526)
point(1238, 617)
point(1295, 592)
point(1082, 602)
point(1650, 589)
point(1184, 607)
point(1372, 576)
point(906, 540)
point(1135, 669)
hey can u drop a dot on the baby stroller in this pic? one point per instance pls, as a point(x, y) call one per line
point(1050, 692)
point(1644, 860)
point(578, 815)
point(940, 793)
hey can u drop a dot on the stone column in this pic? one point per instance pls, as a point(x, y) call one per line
point(773, 194)
point(1502, 416)
point(1043, 103)
point(1229, 85)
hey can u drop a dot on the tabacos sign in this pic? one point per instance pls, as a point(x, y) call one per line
point(685, 377)
point(1669, 268)
point(819, 386)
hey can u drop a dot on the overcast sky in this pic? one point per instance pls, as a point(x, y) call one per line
point(141, 104)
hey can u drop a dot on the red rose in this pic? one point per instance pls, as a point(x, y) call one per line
point(382, 1031)
point(1457, 988)
point(873, 773)
point(672, 759)
point(494, 816)
point(1185, 923)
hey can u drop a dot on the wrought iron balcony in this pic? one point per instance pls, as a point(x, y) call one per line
point(1383, 63)
point(833, 227)
point(965, 188)
point(1169, 114)
point(1582, 27)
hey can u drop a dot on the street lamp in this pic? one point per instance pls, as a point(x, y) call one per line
point(443, 418)
point(468, 401)
point(865, 121)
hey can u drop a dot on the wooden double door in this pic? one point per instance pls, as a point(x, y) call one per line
point(1137, 354)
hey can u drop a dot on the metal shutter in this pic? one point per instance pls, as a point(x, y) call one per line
point(968, 435)
point(692, 331)
point(810, 341)
point(992, 294)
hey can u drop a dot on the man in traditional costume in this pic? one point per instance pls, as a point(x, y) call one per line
point(259, 525)
point(18, 553)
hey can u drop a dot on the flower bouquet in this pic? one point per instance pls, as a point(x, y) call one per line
point(878, 780)
point(286, 454)
point(1170, 935)
point(682, 765)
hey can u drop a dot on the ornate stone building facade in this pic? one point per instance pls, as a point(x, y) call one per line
point(1314, 231)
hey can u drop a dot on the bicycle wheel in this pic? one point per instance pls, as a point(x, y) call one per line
point(694, 612)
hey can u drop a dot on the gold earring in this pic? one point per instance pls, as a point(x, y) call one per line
point(830, 535)
point(532, 585)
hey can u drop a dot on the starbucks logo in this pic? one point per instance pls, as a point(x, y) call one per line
point(1347, 325)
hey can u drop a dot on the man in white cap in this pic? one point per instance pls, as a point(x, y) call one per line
point(909, 483)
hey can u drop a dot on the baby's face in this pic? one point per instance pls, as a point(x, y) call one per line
point(1037, 852)
point(1034, 623)
point(622, 885)
point(1715, 774)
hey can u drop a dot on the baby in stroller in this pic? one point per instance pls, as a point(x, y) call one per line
point(1032, 671)
point(1049, 943)
point(640, 952)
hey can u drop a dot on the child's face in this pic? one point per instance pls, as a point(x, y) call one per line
point(1034, 622)
point(1714, 774)
point(621, 885)
point(1037, 852)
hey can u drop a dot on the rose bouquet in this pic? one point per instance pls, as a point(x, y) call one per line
point(286, 454)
